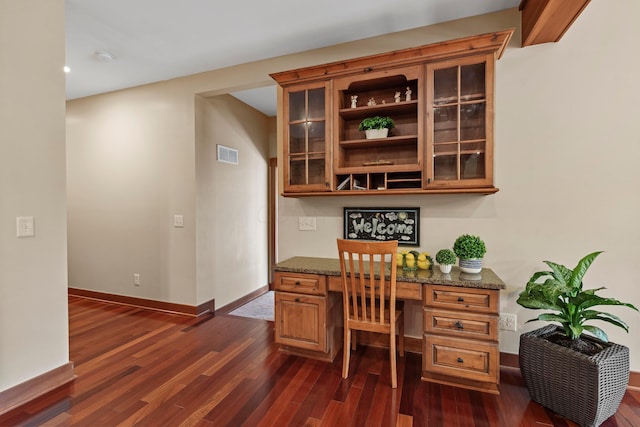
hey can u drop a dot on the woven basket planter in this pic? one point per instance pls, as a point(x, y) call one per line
point(584, 389)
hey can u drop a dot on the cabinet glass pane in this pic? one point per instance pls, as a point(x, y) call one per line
point(445, 85)
point(316, 171)
point(445, 167)
point(472, 117)
point(316, 104)
point(472, 82)
point(297, 106)
point(297, 171)
point(297, 138)
point(445, 124)
point(472, 166)
point(316, 137)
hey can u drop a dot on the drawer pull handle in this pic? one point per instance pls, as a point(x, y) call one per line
point(297, 300)
point(458, 324)
point(460, 360)
point(460, 299)
point(297, 283)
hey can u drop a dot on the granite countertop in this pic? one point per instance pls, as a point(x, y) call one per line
point(486, 279)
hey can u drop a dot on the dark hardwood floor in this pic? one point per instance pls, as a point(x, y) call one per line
point(147, 368)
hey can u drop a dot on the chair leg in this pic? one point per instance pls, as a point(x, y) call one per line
point(392, 359)
point(346, 352)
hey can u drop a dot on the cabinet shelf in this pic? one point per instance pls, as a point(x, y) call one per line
point(379, 142)
point(381, 169)
point(402, 107)
point(464, 99)
point(310, 155)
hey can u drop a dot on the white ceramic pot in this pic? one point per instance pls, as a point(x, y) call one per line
point(376, 133)
point(445, 268)
point(472, 266)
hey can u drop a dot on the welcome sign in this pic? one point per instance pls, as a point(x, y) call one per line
point(401, 224)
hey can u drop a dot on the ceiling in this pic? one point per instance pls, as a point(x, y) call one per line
point(155, 40)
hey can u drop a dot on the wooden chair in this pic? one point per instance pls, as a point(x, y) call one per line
point(369, 300)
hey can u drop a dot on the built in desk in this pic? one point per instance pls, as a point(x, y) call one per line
point(460, 318)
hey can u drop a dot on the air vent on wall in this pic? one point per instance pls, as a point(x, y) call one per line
point(227, 155)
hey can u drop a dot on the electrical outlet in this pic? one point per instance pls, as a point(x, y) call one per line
point(136, 279)
point(307, 223)
point(508, 322)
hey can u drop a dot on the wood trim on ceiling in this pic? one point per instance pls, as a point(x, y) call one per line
point(545, 21)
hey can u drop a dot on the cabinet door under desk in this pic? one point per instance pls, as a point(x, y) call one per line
point(307, 317)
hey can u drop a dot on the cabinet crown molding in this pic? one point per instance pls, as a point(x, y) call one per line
point(484, 43)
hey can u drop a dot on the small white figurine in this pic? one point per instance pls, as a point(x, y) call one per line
point(354, 101)
point(397, 96)
point(371, 102)
point(408, 94)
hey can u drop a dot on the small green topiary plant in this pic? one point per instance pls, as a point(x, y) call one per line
point(467, 246)
point(446, 257)
point(376, 122)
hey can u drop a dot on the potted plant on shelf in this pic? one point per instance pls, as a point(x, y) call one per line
point(572, 369)
point(470, 249)
point(376, 127)
point(446, 258)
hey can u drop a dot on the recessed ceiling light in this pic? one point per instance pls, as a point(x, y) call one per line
point(66, 69)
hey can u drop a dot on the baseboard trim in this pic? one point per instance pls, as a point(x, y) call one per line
point(188, 310)
point(29, 390)
point(241, 301)
point(507, 360)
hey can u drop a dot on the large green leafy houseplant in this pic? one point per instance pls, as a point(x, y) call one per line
point(560, 290)
point(575, 374)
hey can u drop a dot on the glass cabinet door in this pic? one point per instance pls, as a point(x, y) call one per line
point(459, 126)
point(306, 139)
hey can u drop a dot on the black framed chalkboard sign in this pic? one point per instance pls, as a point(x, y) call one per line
point(401, 224)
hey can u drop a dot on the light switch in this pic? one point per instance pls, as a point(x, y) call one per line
point(178, 221)
point(24, 226)
point(307, 223)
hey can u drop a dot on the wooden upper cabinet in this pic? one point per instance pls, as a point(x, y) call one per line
point(440, 97)
point(307, 161)
point(460, 123)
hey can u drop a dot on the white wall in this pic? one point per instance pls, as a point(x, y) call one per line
point(567, 144)
point(231, 200)
point(33, 270)
point(131, 168)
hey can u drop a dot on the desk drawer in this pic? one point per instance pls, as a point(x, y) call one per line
point(467, 359)
point(302, 283)
point(461, 324)
point(404, 290)
point(465, 299)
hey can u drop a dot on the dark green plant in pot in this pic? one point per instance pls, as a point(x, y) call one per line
point(376, 122)
point(469, 247)
point(446, 257)
point(561, 292)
